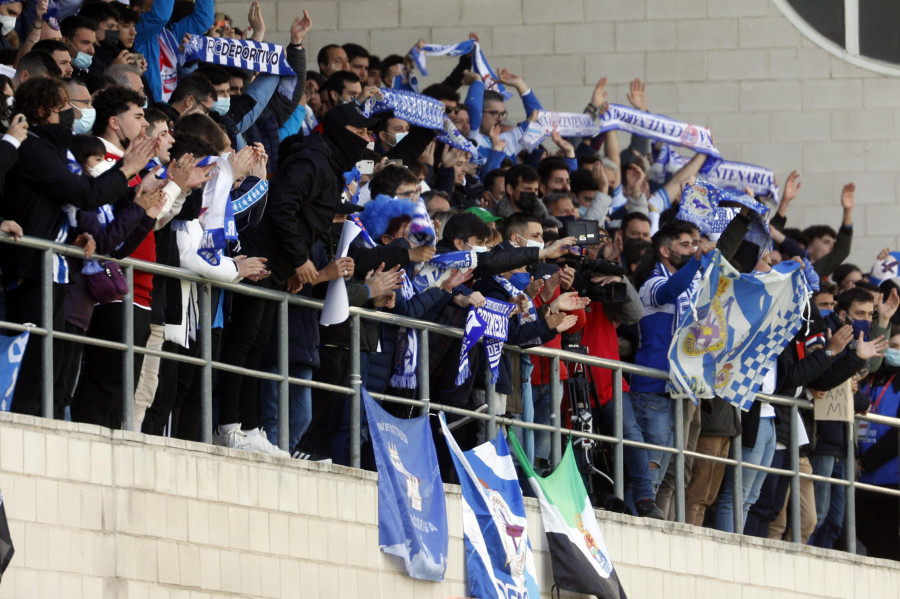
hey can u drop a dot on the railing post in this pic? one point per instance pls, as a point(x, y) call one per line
point(128, 357)
point(795, 478)
point(490, 399)
point(284, 391)
point(555, 419)
point(850, 501)
point(738, 483)
point(205, 337)
point(679, 460)
point(356, 385)
point(47, 323)
point(619, 453)
point(424, 368)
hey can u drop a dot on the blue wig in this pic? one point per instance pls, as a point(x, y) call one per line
point(380, 211)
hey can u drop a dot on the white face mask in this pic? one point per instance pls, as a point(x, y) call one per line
point(7, 24)
point(530, 243)
point(226, 155)
point(10, 101)
point(478, 249)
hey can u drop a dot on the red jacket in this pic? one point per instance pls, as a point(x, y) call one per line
point(541, 373)
point(602, 342)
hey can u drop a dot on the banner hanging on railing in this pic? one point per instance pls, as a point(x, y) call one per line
point(11, 351)
point(490, 321)
point(412, 514)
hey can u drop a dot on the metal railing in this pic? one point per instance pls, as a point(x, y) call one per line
point(423, 402)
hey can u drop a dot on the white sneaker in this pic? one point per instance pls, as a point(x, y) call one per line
point(260, 444)
point(233, 438)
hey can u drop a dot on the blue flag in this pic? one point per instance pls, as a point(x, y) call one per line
point(739, 325)
point(11, 351)
point(412, 512)
point(498, 549)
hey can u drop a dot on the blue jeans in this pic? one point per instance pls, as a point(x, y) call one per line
point(830, 500)
point(526, 437)
point(656, 417)
point(637, 470)
point(299, 405)
point(761, 455)
point(542, 410)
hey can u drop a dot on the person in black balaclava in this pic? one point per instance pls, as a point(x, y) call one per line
point(302, 199)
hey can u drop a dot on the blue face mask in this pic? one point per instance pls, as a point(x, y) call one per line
point(520, 280)
point(861, 326)
point(825, 312)
point(582, 210)
point(892, 356)
point(82, 61)
point(221, 105)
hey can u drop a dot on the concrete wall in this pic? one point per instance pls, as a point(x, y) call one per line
point(770, 95)
point(100, 514)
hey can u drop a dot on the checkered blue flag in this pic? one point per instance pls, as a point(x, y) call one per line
point(739, 325)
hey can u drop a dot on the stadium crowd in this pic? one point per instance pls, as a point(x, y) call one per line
point(112, 145)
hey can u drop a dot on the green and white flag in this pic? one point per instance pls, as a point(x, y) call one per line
point(579, 557)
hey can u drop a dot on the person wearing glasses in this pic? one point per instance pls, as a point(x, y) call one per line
point(486, 109)
point(194, 94)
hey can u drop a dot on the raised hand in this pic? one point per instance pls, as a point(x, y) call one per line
point(791, 189)
point(638, 95)
point(599, 97)
point(18, 127)
point(848, 196)
point(555, 249)
point(507, 78)
point(300, 28)
point(567, 149)
point(457, 277)
point(866, 350)
point(888, 307)
point(473, 300)
point(256, 22)
point(838, 340)
point(381, 281)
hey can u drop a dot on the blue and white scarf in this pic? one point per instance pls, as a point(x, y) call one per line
point(438, 268)
point(422, 111)
point(737, 175)
point(421, 232)
point(249, 199)
point(701, 205)
point(217, 214)
point(491, 321)
point(569, 124)
point(512, 291)
point(452, 137)
point(479, 62)
point(659, 128)
point(406, 348)
point(421, 227)
point(246, 54)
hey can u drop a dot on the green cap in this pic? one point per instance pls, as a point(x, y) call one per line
point(484, 214)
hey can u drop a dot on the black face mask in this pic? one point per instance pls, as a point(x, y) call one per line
point(67, 117)
point(350, 146)
point(565, 219)
point(527, 201)
point(682, 260)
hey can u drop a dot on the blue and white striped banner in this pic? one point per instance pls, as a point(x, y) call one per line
point(246, 54)
point(569, 124)
point(491, 321)
point(737, 175)
point(479, 62)
point(659, 128)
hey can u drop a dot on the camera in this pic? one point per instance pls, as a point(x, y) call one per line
point(614, 293)
point(585, 232)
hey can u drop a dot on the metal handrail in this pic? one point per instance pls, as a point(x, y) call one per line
point(424, 403)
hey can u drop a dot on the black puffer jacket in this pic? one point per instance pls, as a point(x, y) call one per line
point(38, 188)
point(302, 199)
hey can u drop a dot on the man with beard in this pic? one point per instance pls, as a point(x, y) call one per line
point(301, 206)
